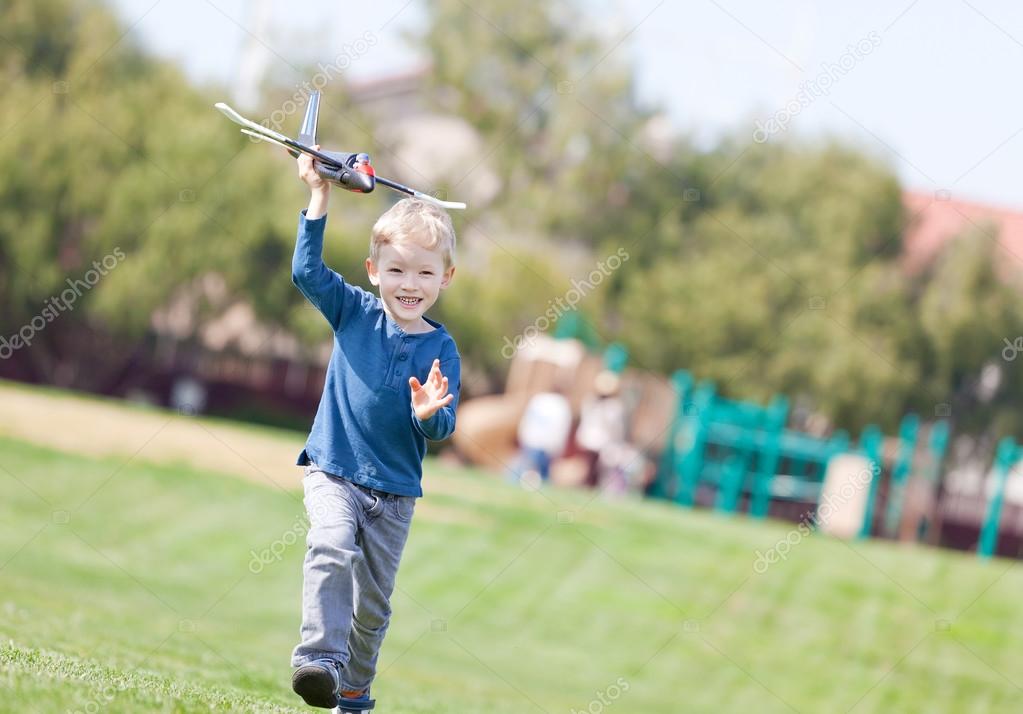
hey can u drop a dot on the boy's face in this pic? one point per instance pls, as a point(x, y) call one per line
point(410, 279)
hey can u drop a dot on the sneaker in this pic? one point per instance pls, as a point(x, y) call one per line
point(318, 683)
point(347, 704)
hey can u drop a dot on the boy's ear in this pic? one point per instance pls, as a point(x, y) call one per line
point(447, 277)
point(371, 270)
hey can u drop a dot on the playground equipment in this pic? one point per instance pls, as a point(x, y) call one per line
point(570, 360)
point(1006, 458)
point(487, 425)
point(724, 453)
point(913, 503)
point(741, 456)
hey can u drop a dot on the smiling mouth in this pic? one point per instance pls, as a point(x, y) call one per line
point(409, 301)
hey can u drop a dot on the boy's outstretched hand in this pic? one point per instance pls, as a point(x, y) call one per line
point(432, 395)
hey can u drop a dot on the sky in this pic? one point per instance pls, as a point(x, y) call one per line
point(925, 84)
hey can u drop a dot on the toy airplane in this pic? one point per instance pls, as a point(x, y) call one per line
point(349, 171)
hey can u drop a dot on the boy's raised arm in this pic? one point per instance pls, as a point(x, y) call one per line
point(318, 199)
point(322, 286)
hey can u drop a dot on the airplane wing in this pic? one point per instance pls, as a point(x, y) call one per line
point(341, 168)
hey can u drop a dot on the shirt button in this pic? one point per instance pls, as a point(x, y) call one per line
point(403, 356)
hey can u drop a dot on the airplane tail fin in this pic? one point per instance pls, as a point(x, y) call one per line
point(307, 135)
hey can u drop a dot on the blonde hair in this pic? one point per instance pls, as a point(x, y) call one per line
point(411, 219)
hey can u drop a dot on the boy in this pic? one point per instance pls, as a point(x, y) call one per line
point(392, 383)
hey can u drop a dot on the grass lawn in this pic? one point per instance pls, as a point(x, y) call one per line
point(130, 586)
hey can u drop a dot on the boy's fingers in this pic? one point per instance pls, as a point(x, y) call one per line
point(435, 381)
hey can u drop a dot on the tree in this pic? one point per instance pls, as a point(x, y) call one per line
point(111, 158)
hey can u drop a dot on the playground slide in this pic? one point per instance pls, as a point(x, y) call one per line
point(488, 425)
point(487, 428)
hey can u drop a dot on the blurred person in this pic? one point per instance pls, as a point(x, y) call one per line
point(543, 435)
point(623, 468)
point(602, 426)
point(392, 384)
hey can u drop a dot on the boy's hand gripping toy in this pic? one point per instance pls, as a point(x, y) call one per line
point(349, 171)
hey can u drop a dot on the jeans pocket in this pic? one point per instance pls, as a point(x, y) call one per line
point(327, 501)
point(404, 507)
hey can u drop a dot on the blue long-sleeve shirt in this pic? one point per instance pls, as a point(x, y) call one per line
point(365, 428)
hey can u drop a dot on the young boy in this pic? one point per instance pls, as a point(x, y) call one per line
point(392, 383)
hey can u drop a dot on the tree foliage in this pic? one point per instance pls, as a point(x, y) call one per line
point(766, 267)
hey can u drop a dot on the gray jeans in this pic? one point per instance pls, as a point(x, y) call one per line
point(353, 547)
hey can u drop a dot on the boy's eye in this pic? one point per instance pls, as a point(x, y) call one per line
point(426, 272)
point(394, 270)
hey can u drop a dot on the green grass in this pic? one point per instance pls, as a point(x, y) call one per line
point(139, 597)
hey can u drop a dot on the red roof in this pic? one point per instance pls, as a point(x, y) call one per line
point(934, 218)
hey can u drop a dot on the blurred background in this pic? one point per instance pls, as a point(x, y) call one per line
point(731, 275)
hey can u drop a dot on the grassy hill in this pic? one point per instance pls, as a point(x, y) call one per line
point(136, 586)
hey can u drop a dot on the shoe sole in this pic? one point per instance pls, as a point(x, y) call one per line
point(315, 686)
